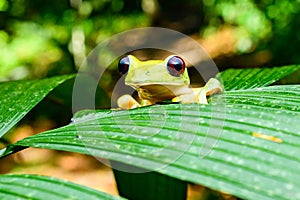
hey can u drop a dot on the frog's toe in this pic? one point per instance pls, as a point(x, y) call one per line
point(213, 86)
point(176, 99)
point(185, 98)
point(127, 102)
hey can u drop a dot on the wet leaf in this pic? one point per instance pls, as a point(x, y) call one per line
point(17, 98)
point(212, 145)
point(235, 79)
point(22, 186)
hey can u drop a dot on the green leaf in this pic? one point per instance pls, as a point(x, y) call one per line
point(171, 138)
point(20, 186)
point(17, 98)
point(235, 79)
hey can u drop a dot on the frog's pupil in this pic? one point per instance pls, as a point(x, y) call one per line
point(175, 66)
point(123, 65)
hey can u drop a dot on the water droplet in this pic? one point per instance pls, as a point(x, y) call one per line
point(270, 192)
point(240, 162)
point(79, 137)
point(241, 120)
point(289, 186)
point(229, 158)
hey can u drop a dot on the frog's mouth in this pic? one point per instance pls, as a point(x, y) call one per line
point(158, 92)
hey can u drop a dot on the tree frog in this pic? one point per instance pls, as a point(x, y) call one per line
point(159, 80)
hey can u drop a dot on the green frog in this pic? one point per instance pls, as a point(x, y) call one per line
point(160, 80)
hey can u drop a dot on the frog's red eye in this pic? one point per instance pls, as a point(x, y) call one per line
point(175, 66)
point(123, 65)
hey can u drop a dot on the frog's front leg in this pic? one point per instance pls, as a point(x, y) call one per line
point(127, 102)
point(198, 95)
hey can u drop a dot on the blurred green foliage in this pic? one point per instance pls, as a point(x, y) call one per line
point(45, 38)
point(40, 39)
point(261, 24)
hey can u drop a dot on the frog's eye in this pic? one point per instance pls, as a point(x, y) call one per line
point(175, 66)
point(123, 65)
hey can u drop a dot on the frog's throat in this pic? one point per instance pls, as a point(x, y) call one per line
point(157, 92)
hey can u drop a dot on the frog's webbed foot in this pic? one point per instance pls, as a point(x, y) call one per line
point(127, 102)
point(198, 95)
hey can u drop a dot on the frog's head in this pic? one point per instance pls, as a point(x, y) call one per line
point(155, 78)
point(170, 71)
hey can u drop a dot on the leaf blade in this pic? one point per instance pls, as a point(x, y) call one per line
point(265, 169)
point(19, 97)
point(235, 79)
point(38, 187)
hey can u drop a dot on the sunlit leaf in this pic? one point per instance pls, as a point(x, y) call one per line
point(17, 98)
point(235, 79)
point(241, 162)
point(20, 186)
